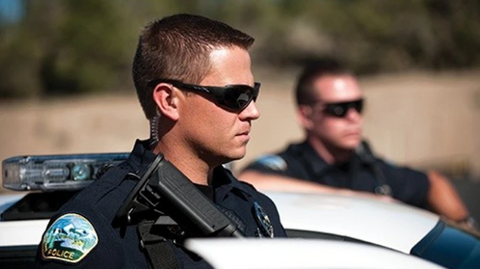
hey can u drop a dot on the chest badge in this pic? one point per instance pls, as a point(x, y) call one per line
point(263, 220)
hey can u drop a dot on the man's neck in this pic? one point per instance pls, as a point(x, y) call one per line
point(195, 169)
point(330, 154)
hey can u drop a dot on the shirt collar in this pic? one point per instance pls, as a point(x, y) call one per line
point(225, 182)
point(141, 157)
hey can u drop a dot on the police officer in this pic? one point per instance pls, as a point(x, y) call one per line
point(194, 82)
point(332, 158)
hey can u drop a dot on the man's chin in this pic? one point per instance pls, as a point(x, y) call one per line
point(351, 144)
point(235, 155)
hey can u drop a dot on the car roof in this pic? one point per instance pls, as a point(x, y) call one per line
point(393, 225)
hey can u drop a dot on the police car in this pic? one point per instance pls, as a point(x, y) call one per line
point(337, 226)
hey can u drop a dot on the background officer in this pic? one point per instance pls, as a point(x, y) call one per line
point(332, 158)
point(194, 82)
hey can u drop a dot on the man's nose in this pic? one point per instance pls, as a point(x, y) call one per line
point(353, 114)
point(251, 112)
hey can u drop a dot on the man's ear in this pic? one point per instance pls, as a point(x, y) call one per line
point(166, 99)
point(304, 117)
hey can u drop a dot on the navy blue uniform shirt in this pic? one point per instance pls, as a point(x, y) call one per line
point(301, 161)
point(81, 234)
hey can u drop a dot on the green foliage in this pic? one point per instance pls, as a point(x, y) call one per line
point(90, 48)
point(65, 47)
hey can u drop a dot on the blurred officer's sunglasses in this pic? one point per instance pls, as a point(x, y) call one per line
point(231, 97)
point(340, 109)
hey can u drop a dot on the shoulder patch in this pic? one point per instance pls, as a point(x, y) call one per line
point(70, 238)
point(274, 162)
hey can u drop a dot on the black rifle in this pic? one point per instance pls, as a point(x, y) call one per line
point(166, 191)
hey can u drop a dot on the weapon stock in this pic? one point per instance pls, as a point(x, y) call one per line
point(165, 190)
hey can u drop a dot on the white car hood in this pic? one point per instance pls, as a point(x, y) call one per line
point(393, 225)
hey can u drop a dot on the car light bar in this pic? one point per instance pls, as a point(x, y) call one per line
point(55, 172)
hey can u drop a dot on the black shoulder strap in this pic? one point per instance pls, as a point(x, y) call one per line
point(366, 156)
point(158, 250)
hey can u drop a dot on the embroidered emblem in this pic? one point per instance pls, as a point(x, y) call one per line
point(274, 162)
point(70, 238)
point(263, 220)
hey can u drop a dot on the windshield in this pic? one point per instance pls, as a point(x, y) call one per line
point(450, 246)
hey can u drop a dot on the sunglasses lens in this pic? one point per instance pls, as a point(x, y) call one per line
point(336, 110)
point(238, 97)
point(359, 106)
point(340, 109)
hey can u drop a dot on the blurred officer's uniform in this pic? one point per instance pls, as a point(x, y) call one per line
point(363, 172)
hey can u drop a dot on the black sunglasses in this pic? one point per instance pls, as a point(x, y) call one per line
point(232, 97)
point(340, 109)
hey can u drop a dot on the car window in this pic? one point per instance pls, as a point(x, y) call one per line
point(18, 257)
point(449, 246)
point(37, 206)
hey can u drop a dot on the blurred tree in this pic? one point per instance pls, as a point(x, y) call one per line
point(19, 54)
point(90, 49)
point(71, 47)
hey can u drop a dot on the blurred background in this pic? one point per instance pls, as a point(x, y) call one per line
point(66, 87)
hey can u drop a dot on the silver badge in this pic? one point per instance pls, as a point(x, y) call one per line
point(263, 220)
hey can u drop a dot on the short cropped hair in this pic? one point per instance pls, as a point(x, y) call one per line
point(304, 90)
point(178, 47)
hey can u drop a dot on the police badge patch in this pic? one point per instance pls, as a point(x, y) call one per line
point(70, 238)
